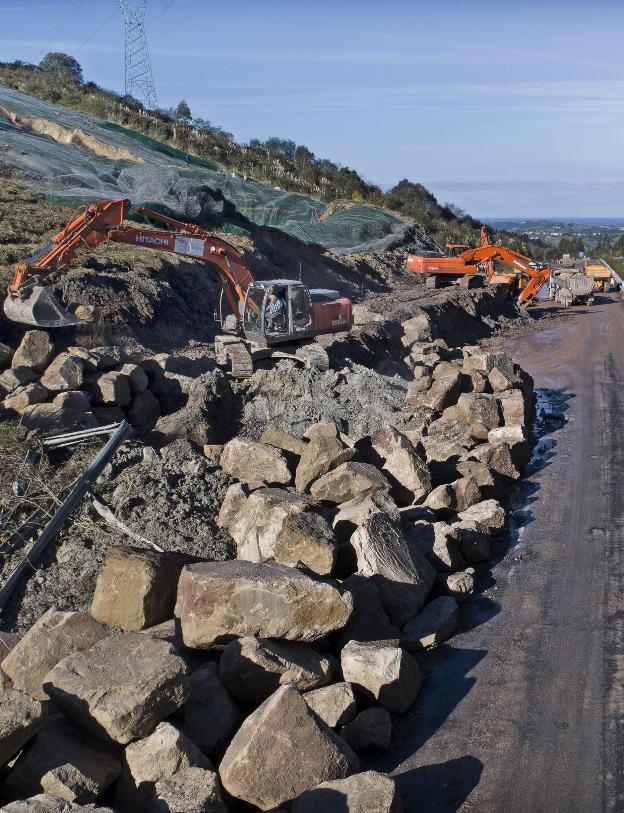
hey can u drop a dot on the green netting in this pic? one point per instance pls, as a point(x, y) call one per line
point(61, 164)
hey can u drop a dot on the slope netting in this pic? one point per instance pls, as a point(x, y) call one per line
point(71, 155)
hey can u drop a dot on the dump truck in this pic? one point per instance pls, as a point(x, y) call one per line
point(600, 274)
point(573, 288)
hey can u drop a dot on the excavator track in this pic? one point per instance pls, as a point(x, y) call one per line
point(313, 356)
point(234, 355)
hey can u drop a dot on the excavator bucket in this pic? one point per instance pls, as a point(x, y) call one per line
point(38, 306)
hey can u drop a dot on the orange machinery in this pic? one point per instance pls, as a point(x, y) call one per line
point(306, 313)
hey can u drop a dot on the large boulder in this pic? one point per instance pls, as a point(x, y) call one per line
point(253, 668)
point(403, 580)
point(451, 498)
point(218, 601)
point(44, 803)
point(515, 408)
point(371, 729)
point(478, 408)
point(122, 687)
point(368, 792)
point(232, 503)
point(161, 755)
point(388, 675)
point(23, 397)
point(347, 482)
point(368, 621)
point(210, 714)
point(21, 717)
point(136, 588)
point(436, 622)
point(273, 525)
point(252, 462)
point(111, 389)
point(282, 750)
point(66, 410)
point(53, 637)
point(497, 457)
point(190, 790)
point(144, 410)
point(516, 438)
point(459, 586)
point(324, 452)
point(489, 513)
point(443, 393)
point(404, 465)
point(63, 762)
point(136, 376)
point(65, 373)
point(275, 436)
point(334, 704)
point(35, 351)
point(16, 377)
point(435, 541)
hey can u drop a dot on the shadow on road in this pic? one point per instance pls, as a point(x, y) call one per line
point(440, 788)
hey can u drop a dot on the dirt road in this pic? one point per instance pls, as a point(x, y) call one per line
point(524, 710)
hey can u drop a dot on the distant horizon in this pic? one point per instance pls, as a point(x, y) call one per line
point(594, 220)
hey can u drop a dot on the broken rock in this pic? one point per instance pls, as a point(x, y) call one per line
point(191, 790)
point(273, 525)
point(144, 409)
point(218, 601)
point(282, 750)
point(436, 622)
point(122, 687)
point(160, 755)
point(23, 397)
point(136, 588)
point(489, 513)
point(66, 410)
point(403, 580)
point(282, 440)
point(20, 719)
point(458, 585)
point(404, 465)
point(254, 668)
point(16, 377)
point(434, 540)
point(371, 729)
point(347, 482)
point(111, 389)
point(136, 376)
point(210, 714)
point(368, 792)
point(252, 462)
point(387, 675)
point(322, 454)
point(65, 373)
point(334, 704)
point(53, 637)
point(63, 762)
point(35, 351)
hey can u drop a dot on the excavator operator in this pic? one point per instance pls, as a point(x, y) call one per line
point(274, 313)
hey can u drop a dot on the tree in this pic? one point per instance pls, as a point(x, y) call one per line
point(571, 245)
point(62, 66)
point(619, 244)
point(182, 113)
point(455, 210)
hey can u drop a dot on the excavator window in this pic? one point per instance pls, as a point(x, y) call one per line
point(254, 311)
point(300, 308)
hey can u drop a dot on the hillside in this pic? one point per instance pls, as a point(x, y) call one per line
point(276, 162)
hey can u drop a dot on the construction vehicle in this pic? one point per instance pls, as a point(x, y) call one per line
point(572, 288)
point(523, 281)
point(304, 313)
point(600, 274)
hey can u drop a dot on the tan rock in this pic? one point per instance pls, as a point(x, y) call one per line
point(64, 762)
point(234, 499)
point(283, 440)
point(136, 376)
point(253, 668)
point(66, 372)
point(349, 481)
point(16, 377)
point(122, 687)
point(111, 389)
point(404, 464)
point(53, 637)
point(35, 351)
point(160, 755)
point(6, 354)
point(458, 585)
point(218, 601)
point(282, 750)
point(136, 588)
point(210, 715)
point(370, 730)
point(21, 717)
point(191, 790)
point(479, 408)
point(403, 580)
point(144, 409)
point(386, 674)
point(444, 392)
point(435, 541)
point(253, 462)
point(322, 454)
point(66, 410)
point(334, 704)
point(23, 397)
point(368, 792)
point(488, 512)
point(368, 621)
point(436, 622)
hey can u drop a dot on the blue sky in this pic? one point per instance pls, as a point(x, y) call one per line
point(509, 109)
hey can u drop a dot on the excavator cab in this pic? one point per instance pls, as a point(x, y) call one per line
point(291, 318)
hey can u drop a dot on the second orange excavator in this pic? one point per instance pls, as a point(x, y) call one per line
point(523, 281)
point(277, 318)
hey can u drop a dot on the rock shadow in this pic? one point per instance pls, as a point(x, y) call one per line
point(441, 787)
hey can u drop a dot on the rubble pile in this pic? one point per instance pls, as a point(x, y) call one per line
point(260, 682)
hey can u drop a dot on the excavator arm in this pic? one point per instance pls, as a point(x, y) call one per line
point(536, 273)
point(104, 221)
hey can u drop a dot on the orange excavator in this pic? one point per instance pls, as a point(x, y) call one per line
point(523, 281)
point(276, 318)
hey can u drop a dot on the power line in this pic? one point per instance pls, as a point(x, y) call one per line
point(62, 27)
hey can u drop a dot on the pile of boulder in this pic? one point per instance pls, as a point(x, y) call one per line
point(48, 391)
point(263, 680)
